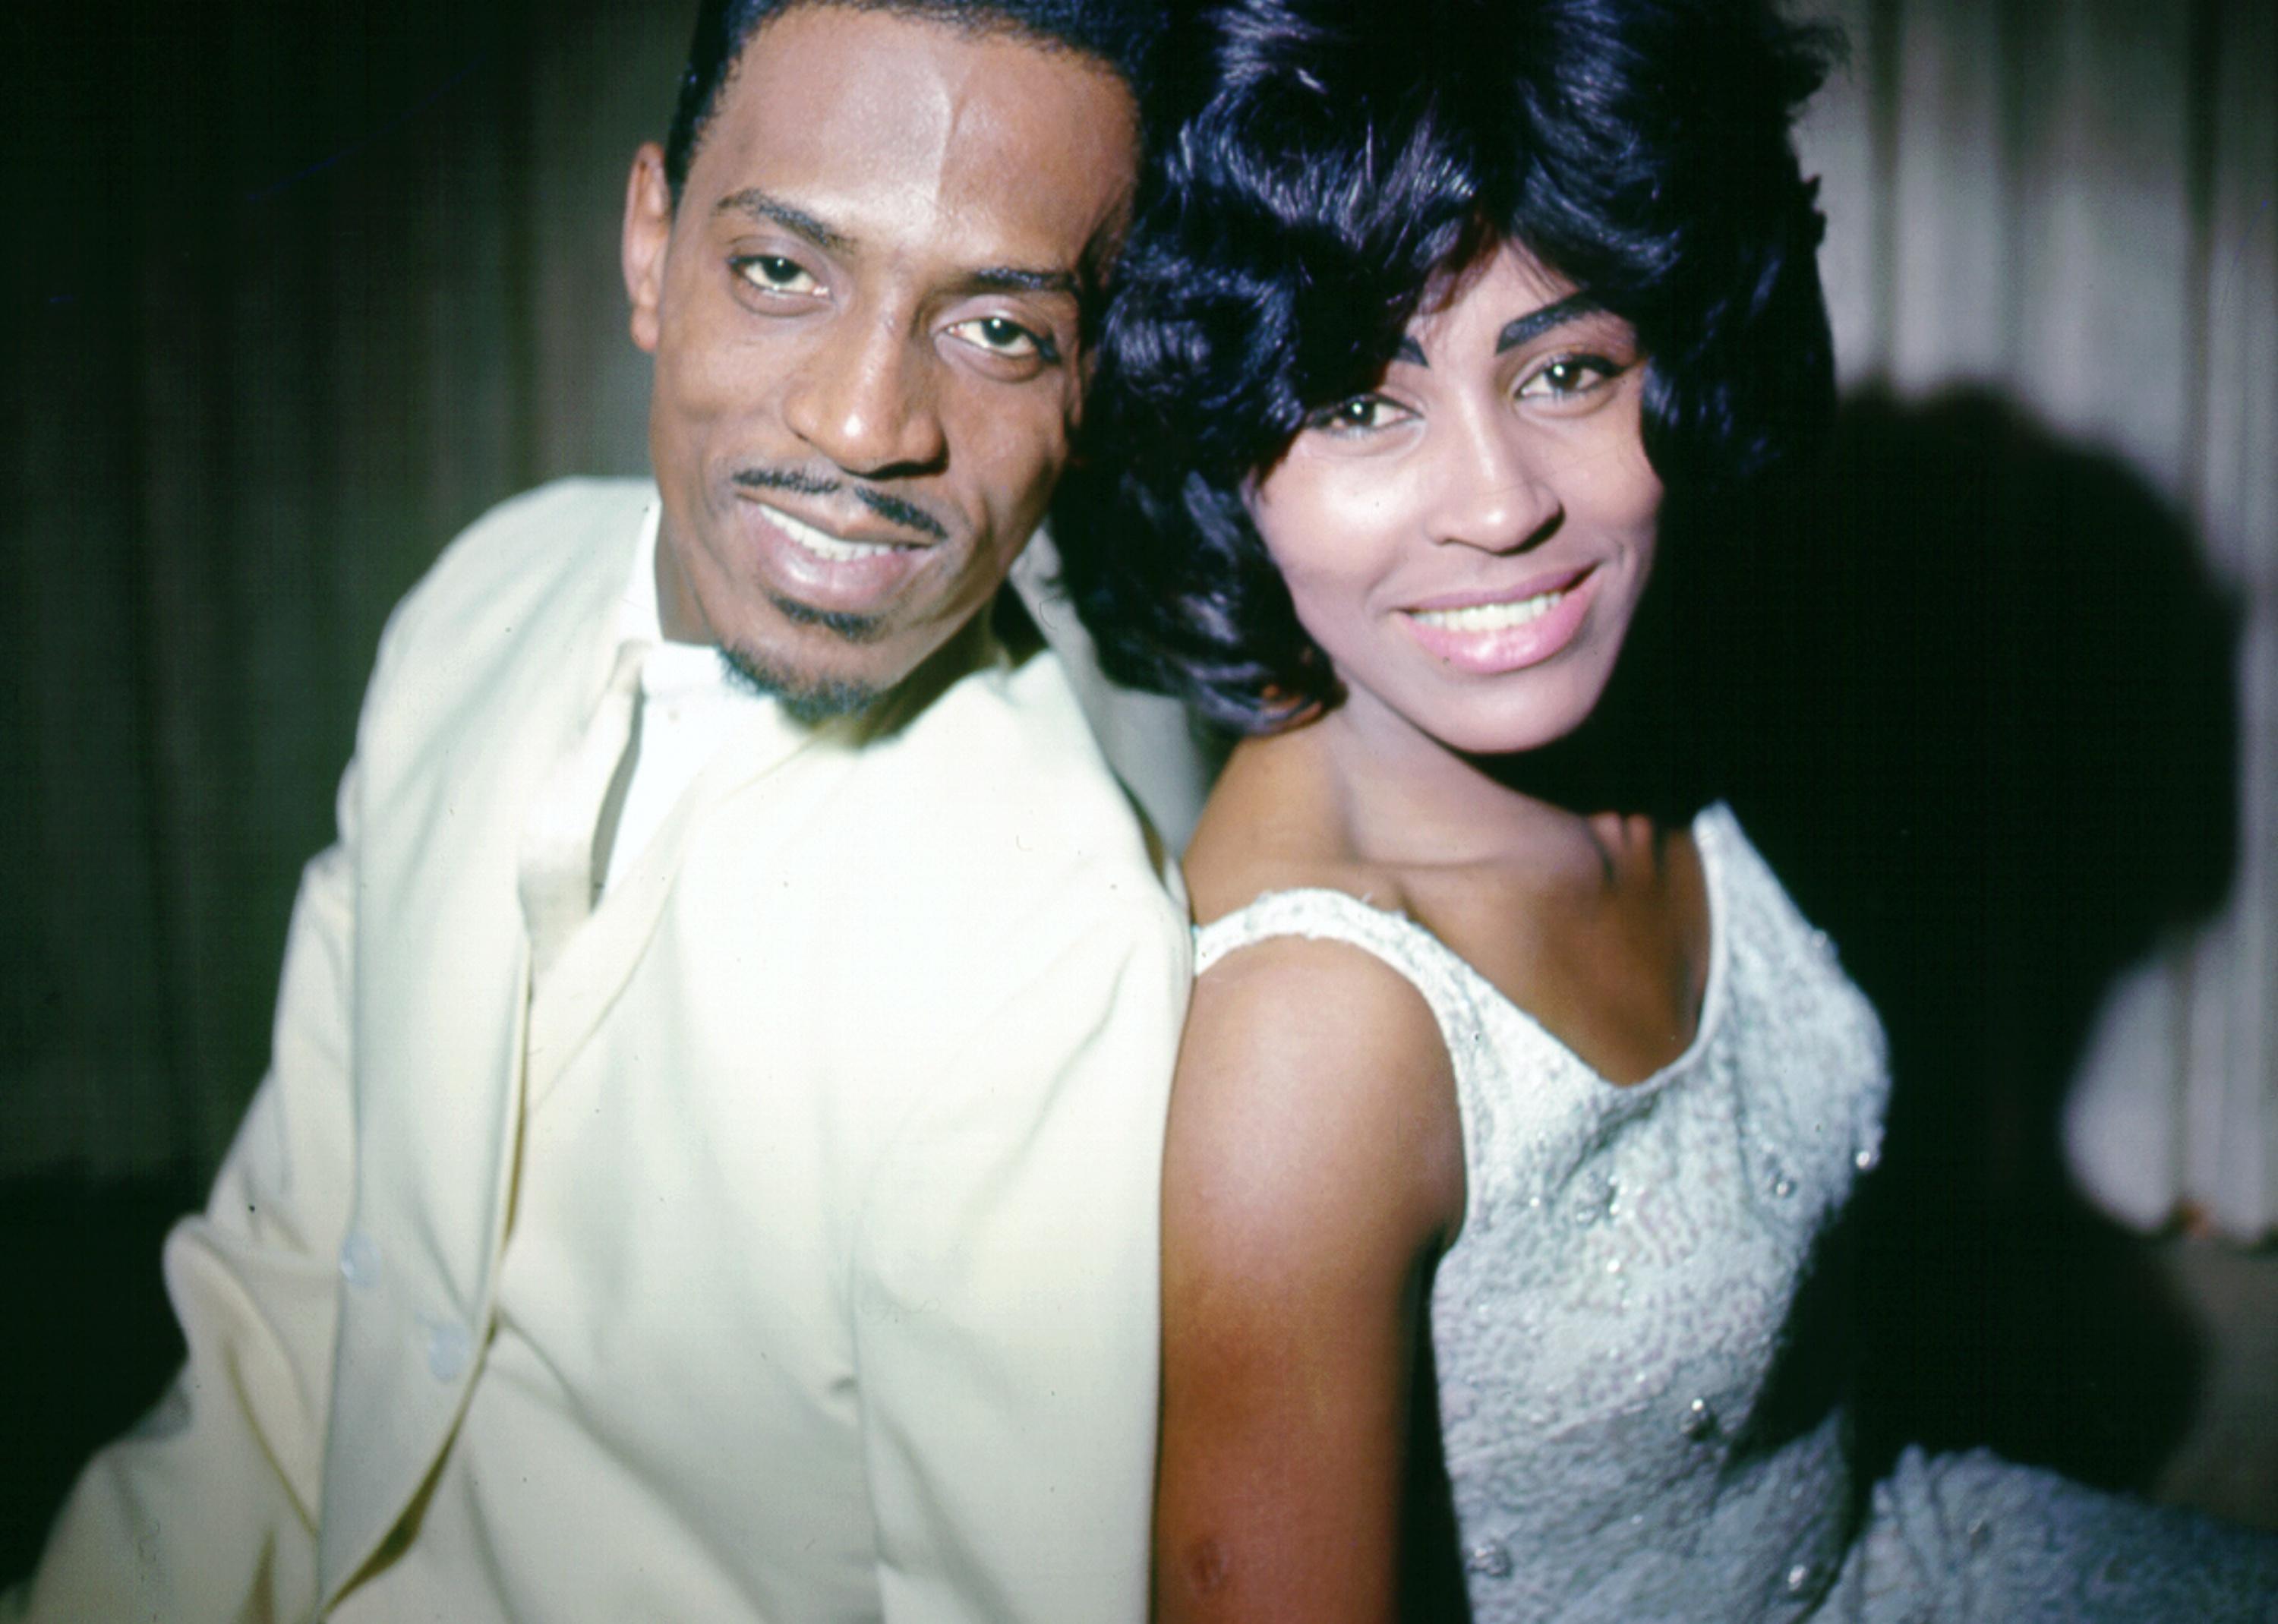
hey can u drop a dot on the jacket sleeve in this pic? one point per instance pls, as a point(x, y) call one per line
point(1006, 1305)
point(208, 1510)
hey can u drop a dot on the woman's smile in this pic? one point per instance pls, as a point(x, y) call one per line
point(1468, 541)
point(1507, 634)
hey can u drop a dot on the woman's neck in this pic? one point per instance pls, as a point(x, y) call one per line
point(1405, 797)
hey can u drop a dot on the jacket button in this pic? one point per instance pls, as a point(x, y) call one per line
point(449, 1350)
point(360, 1260)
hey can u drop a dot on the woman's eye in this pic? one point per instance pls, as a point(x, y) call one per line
point(1565, 376)
point(772, 273)
point(1358, 416)
point(996, 335)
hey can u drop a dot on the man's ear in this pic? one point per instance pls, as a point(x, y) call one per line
point(647, 235)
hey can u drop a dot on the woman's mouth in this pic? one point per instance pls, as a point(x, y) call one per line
point(1492, 616)
point(1506, 633)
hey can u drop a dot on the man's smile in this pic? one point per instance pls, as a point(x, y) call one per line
point(825, 546)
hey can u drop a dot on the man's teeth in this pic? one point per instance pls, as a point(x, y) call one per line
point(823, 544)
point(1492, 616)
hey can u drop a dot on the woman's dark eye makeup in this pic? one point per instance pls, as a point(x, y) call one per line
point(1571, 374)
point(1360, 411)
point(1563, 376)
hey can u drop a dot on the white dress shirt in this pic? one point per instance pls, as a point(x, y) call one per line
point(690, 708)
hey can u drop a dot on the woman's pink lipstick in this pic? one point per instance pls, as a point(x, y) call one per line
point(1486, 637)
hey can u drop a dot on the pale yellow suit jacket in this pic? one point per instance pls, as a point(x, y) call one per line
point(941, 964)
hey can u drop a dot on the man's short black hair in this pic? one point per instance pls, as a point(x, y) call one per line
point(1321, 163)
point(1120, 35)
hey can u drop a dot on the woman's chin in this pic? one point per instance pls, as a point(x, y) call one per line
point(1534, 713)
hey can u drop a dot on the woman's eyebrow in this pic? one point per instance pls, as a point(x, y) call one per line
point(1519, 330)
point(1555, 314)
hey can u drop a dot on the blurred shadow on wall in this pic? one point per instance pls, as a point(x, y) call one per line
point(1982, 722)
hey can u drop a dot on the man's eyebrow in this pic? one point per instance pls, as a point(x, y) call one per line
point(1014, 280)
point(756, 204)
point(759, 205)
point(1555, 314)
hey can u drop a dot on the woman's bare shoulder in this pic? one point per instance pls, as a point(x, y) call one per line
point(1309, 1065)
point(1273, 823)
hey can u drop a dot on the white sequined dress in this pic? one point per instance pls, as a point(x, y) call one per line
point(1622, 1437)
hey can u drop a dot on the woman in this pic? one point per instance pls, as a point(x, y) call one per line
point(1507, 1080)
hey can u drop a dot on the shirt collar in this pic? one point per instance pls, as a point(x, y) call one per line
point(671, 669)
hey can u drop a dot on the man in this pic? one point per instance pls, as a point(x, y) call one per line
point(708, 1168)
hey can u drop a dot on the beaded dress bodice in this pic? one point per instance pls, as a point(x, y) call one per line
point(1622, 1439)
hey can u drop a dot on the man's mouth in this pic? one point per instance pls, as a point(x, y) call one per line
point(824, 546)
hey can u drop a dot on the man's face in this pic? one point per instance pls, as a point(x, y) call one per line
point(865, 318)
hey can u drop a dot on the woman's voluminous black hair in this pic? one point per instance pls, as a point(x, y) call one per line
point(1320, 164)
point(1121, 35)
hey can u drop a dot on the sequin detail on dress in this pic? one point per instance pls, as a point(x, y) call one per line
point(1609, 1323)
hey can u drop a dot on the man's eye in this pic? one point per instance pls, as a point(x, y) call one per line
point(774, 274)
point(999, 336)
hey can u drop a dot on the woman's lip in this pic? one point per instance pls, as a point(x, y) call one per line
point(822, 569)
point(1502, 645)
point(1562, 581)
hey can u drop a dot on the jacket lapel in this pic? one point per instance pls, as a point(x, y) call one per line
point(484, 688)
point(569, 1000)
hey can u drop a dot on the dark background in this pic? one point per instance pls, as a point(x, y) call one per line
point(289, 293)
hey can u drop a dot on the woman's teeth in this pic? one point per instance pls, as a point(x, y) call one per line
point(1491, 616)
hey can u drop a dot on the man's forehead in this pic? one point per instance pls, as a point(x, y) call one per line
point(862, 125)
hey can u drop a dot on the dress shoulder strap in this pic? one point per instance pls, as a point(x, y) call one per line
point(1460, 999)
point(1325, 915)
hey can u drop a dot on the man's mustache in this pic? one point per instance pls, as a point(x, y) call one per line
point(892, 509)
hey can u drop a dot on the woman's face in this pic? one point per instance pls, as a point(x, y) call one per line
point(1468, 541)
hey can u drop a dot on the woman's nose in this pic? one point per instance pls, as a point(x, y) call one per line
point(1494, 491)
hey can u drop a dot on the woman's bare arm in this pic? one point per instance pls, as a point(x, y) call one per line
point(1313, 1169)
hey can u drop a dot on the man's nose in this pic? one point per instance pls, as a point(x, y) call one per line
point(865, 398)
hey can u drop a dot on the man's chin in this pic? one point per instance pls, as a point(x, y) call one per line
point(805, 697)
